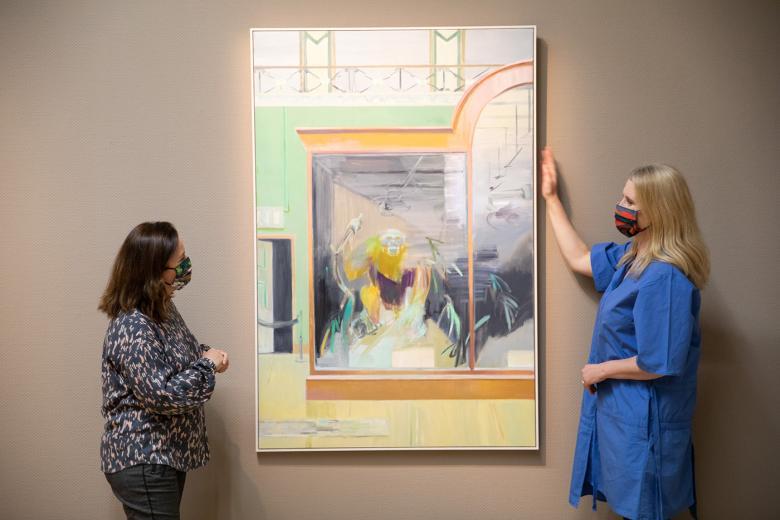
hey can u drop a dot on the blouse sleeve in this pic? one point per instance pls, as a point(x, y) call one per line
point(604, 258)
point(664, 320)
point(155, 383)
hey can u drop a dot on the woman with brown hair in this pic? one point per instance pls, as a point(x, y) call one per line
point(634, 447)
point(156, 376)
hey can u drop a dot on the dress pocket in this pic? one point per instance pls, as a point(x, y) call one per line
point(624, 451)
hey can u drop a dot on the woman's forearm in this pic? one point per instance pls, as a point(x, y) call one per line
point(625, 369)
point(593, 374)
point(574, 250)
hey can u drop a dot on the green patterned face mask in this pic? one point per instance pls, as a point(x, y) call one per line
point(183, 274)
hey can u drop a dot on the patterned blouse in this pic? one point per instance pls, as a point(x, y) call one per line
point(155, 382)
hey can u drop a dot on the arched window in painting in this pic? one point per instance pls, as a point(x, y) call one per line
point(422, 240)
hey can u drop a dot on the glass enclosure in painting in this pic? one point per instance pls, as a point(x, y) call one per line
point(390, 249)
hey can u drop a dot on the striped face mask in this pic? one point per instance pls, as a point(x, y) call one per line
point(626, 221)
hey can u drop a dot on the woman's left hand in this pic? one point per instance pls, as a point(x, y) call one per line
point(592, 375)
point(225, 360)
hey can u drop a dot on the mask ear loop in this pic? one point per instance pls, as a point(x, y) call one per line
point(175, 270)
point(170, 269)
point(639, 229)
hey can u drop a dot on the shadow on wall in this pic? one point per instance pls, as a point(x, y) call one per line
point(730, 382)
point(223, 485)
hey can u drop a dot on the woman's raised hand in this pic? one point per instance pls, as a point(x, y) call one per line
point(549, 174)
point(574, 250)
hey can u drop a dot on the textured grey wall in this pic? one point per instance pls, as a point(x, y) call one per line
point(112, 113)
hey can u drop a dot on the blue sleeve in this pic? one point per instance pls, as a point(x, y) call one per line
point(604, 258)
point(664, 320)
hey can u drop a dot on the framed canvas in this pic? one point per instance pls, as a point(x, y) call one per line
point(395, 238)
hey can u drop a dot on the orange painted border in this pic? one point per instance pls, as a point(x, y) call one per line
point(418, 389)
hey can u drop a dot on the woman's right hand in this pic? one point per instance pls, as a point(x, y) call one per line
point(574, 250)
point(219, 358)
point(549, 174)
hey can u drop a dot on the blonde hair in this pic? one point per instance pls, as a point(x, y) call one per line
point(673, 235)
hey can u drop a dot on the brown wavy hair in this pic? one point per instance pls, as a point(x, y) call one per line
point(136, 278)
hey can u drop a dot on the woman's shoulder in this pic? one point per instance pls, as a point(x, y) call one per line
point(610, 252)
point(660, 271)
point(613, 246)
point(132, 320)
point(129, 331)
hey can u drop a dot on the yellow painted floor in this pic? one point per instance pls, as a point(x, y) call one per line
point(289, 421)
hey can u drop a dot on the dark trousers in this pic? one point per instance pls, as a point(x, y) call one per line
point(149, 491)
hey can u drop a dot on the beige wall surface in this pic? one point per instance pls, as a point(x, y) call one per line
point(112, 113)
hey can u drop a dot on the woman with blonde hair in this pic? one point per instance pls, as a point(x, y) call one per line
point(634, 447)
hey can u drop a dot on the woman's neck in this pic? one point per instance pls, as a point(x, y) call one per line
point(641, 243)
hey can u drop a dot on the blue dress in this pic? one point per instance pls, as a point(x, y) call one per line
point(634, 440)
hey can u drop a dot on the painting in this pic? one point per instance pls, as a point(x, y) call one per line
point(395, 238)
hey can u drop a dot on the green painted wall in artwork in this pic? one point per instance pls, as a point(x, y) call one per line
point(280, 166)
